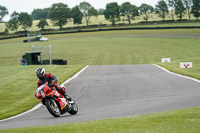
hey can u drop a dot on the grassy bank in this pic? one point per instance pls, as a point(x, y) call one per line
point(179, 121)
point(19, 83)
point(111, 47)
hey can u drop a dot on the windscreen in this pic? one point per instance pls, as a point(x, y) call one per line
point(41, 90)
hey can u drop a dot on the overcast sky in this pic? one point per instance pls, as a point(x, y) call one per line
point(30, 5)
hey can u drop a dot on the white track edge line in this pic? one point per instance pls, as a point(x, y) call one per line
point(34, 108)
point(76, 75)
point(187, 77)
point(38, 105)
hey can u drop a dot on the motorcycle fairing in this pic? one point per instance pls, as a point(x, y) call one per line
point(63, 103)
point(48, 91)
point(64, 106)
point(38, 95)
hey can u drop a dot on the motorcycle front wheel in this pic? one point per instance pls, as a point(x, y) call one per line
point(52, 107)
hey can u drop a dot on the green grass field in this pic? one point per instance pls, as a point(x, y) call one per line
point(18, 83)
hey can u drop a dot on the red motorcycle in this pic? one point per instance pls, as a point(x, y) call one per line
point(55, 102)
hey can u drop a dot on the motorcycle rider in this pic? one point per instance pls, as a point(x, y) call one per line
point(52, 81)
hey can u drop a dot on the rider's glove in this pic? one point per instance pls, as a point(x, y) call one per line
point(53, 82)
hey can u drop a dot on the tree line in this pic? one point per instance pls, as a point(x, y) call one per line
point(60, 13)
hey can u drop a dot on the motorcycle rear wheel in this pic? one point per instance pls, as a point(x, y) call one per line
point(52, 107)
point(74, 109)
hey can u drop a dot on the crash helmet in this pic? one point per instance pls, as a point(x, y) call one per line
point(40, 72)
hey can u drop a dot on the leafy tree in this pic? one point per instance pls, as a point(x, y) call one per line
point(77, 15)
point(145, 9)
point(93, 12)
point(25, 20)
point(188, 6)
point(179, 8)
point(162, 9)
point(87, 11)
point(42, 23)
point(13, 23)
point(3, 12)
point(14, 15)
point(59, 13)
point(128, 10)
point(171, 4)
point(6, 31)
point(38, 14)
point(196, 8)
point(112, 12)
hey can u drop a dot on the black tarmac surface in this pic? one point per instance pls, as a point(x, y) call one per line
point(103, 92)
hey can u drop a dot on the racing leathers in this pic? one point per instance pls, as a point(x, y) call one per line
point(52, 82)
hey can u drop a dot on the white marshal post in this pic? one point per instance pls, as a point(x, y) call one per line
point(165, 60)
point(185, 64)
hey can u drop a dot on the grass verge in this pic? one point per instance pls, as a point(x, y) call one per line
point(20, 83)
point(179, 121)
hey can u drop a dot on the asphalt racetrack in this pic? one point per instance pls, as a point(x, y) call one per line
point(103, 92)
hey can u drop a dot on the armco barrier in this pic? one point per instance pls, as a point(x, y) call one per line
point(109, 29)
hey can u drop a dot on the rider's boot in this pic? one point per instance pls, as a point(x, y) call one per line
point(68, 97)
point(63, 91)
